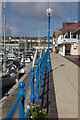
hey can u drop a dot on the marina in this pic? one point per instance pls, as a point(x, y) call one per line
point(16, 67)
point(39, 60)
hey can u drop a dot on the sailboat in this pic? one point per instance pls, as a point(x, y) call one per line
point(8, 76)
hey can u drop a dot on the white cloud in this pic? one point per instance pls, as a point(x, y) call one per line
point(58, 27)
point(38, 10)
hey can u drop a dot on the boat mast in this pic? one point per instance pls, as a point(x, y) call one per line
point(1, 38)
point(4, 65)
point(39, 38)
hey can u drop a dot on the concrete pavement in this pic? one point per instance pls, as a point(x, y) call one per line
point(65, 76)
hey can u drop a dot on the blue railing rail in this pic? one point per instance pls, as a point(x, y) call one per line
point(37, 73)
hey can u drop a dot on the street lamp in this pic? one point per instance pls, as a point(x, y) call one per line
point(49, 13)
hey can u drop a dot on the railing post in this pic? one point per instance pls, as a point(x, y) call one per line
point(44, 49)
point(21, 105)
point(40, 86)
point(44, 64)
point(32, 85)
point(37, 97)
point(48, 63)
point(41, 71)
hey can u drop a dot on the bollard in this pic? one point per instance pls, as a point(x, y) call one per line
point(21, 105)
point(37, 97)
point(32, 97)
point(40, 86)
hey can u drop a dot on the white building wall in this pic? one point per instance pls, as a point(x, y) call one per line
point(74, 49)
point(75, 46)
point(61, 50)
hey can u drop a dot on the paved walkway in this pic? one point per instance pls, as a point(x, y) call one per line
point(65, 78)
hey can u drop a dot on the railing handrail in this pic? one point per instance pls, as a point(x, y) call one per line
point(23, 87)
point(27, 83)
point(11, 112)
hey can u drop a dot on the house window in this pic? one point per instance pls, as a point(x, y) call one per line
point(75, 47)
point(74, 35)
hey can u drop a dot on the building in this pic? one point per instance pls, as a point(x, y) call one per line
point(68, 41)
point(68, 46)
point(70, 29)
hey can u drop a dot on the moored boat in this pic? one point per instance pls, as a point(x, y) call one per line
point(8, 79)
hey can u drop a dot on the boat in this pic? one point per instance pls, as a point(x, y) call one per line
point(11, 56)
point(2, 57)
point(8, 78)
point(31, 54)
point(25, 59)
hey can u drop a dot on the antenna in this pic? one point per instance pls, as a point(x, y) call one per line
point(68, 19)
point(48, 3)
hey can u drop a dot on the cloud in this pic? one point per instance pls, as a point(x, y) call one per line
point(17, 21)
point(58, 27)
point(12, 31)
point(26, 17)
point(37, 10)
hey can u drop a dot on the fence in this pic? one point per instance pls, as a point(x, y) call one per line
point(37, 73)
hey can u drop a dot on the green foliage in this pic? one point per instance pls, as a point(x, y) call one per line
point(13, 42)
point(50, 37)
point(67, 36)
point(36, 113)
point(54, 36)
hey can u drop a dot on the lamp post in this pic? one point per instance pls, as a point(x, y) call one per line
point(49, 13)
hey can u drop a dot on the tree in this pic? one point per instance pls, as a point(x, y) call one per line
point(45, 37)
point(54, 36)
point(50, 37)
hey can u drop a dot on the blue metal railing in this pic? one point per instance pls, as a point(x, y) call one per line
point(37, 73)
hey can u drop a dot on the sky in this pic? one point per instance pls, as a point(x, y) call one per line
point(29, 18)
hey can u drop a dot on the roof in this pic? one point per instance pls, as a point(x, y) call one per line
point(77, 31)
point(68, 26)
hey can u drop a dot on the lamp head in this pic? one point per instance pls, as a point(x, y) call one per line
point(49, 11)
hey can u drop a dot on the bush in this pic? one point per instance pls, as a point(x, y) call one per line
point(36, 113)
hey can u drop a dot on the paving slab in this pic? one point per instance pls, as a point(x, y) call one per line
point(65, 76)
